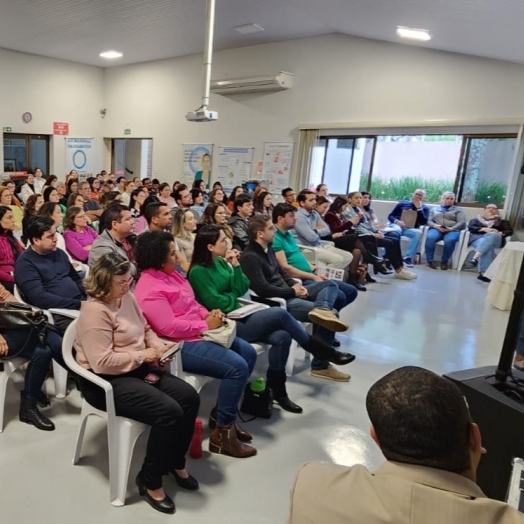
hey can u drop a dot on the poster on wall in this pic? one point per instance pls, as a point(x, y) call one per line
point(234, 166)
point(276, 166)
point(82, 154)
point(197, 161)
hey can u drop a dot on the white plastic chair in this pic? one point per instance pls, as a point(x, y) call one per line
point(122, 432)
point(7, 366)
point(456, 252)
point(59, 373)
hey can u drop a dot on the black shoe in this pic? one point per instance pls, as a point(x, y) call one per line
point(336, 343)
point(370, 279)
point(372, 259)
point(341, 359)
point(166, 505)
point(43, 400)
point(30, 415)
point(359, 286)
point(483, 278)
point(380, 268)
point(287, 404)
point(322, 351)
point(388, 264)
point(191, 483)
point(474, 262)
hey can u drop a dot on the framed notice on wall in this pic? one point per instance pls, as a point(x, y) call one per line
point(276, 164)
point(234, 166)
point(197, 160)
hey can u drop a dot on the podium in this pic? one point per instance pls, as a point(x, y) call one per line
point(495, 406)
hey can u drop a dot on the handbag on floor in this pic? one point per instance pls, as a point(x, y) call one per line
point(223, 335)
point(257, 401)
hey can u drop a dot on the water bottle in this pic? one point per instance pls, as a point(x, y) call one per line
point(195, 450)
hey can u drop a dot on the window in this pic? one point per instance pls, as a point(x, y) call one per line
point(26, 153)
point(392, 167)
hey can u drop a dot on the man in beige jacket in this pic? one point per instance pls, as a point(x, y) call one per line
point(422, 424)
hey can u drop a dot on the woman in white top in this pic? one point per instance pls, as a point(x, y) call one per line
point(126, 195)
point(39, 181)
point(28, 188)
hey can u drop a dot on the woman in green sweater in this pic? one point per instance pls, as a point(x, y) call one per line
point(218, 281)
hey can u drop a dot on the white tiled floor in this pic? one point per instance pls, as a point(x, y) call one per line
point(439, 321)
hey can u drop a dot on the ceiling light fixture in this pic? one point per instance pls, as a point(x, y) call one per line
point(247, 29)
point(413, 34)
point(111, 55)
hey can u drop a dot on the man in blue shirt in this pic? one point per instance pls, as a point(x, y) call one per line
point(413, 233)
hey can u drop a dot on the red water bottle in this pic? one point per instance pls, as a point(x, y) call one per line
point(195, 450)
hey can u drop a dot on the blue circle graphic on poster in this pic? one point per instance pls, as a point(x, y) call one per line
point(195, 158)
point(79, 159)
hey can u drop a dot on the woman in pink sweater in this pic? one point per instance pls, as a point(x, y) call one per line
point(78, 236)
point(115, 342)
point(10, 248)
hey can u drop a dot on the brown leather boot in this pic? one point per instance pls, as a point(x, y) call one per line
point(242, 434)
point(224, 440)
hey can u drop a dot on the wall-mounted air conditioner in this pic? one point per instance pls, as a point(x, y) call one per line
point(257, 84)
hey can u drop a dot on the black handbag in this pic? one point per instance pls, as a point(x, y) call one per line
point(17, 316)
point(259, 404)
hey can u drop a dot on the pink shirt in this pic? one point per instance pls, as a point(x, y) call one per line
point(110, 339)
point(76, 242)
point(7, 259)
point(169, 305)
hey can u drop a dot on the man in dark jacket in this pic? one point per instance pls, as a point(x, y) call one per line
point(242, 210)
point(412, 231)
point(318, 303)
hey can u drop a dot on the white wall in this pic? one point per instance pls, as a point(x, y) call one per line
point(338, 79)
point(53, 91)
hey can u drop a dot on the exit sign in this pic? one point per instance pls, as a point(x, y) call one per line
point(127, 131)
point(7, 130)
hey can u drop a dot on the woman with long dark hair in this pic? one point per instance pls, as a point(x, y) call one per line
point(33, 204)
point(218, 281)
point(237, 190)
point(262, 204)
point(216, 214)
point(10, 248)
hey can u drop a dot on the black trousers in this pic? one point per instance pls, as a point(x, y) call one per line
point(169, 406)
point(393, 251)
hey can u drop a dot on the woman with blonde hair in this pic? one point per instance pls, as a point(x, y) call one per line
point(115, 342)
point(184, 226)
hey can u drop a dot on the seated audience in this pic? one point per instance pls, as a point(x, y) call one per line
point(94, 188)
point(216, 214)
point(413, 233)
point(157, 216)
point(366, 228)
point(258, 189)
point(31, 208)
point(43, 273)
point(310, 228)
point(78, 237)
point(309, 301)
point(487, 233)
point(28, 188)
point(116, 237)
point(164, 195)
point(184, 226)
point(199, 203)
point(238, 222)
point(218, 281)
point(6, 200)
point(216, 196)
point(107, 199)
point(289, 197)
point(237, 191)
point(263, 204)
point(183, 197)
point(50, 194)
point(138, 197)
point(50, 181)
point(91, 206)
point(72, 186)
point(445, 222)
point(18, 342)
point(10, 248)
point(61, 189)
point(169, 305)
point(39, 181)
point(121, 184)
point(323, 191)
point(114, 342)
point(12, 187)
point(129, 187)
point(422, 425)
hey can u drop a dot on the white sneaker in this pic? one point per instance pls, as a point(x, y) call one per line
point(405, 275)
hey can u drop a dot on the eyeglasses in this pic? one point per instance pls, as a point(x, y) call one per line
point(122, 284)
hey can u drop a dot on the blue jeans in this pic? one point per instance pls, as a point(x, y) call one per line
point(39, 356)
point(487, 245)
point(233, 366)
point(450, 239)
point(413, 233)
point(273, 326)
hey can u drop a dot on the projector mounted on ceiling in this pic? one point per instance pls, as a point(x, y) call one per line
point(232, 86)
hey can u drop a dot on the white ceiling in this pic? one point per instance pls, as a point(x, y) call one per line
point(78, 30)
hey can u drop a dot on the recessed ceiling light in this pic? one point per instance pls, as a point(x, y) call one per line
point(413, 34)
point(248, 28)
point(111, 54)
